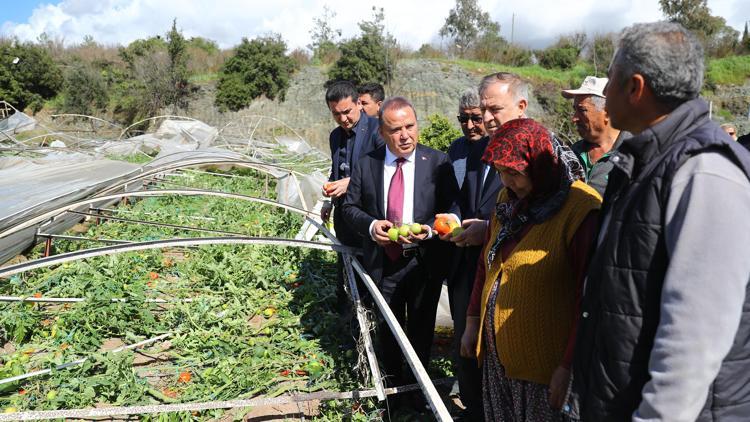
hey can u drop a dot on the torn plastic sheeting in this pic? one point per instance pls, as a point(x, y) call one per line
point(295, 145)
point(171, 137)
point(17, 122)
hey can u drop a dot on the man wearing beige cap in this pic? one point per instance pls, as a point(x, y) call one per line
point(600, 139)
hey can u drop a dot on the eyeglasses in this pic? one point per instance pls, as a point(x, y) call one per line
point(464, 118)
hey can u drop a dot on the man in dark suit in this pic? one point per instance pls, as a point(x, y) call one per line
point(402, 182)
point(355, 135)
point(476, 201)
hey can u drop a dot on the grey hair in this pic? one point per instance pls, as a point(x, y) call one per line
point(668, 57)
point(598, 102)
point(469, 99)
point(516, 86)
point(394, 103)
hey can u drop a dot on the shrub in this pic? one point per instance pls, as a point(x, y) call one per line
point(32, 80)
point(259, 67)
point(84, 90)
point(439, 134)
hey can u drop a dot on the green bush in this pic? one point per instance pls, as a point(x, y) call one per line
point(84, 90)
point(259, 67)
point(734, 70)
point(439, 134)
point(564, 57)
point(365, 58)
point(32, 80)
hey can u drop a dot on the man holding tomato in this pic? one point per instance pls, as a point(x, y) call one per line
point(398, 184)
point(356, 134)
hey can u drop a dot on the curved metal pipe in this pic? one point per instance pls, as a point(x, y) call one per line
point(158, 244)
point(161, 192)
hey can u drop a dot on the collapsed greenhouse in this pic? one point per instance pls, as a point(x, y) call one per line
point(177, 273)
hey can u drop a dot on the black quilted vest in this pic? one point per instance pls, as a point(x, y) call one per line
point(621, 305)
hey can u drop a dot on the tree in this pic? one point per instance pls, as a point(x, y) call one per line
point(600, 52)
point(324, 38)
point(564, 54)
point(30, 81)
point(464, 24)
point(718, 37)
point(745, 43)
point(259, 67)
point(84, 90)
point(366, 58)
point(178, 74)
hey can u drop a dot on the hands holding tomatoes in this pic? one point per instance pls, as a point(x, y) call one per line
point(385, 232)
point(469, 233)
point(336, 189)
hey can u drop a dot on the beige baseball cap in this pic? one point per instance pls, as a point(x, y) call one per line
point(590, 86)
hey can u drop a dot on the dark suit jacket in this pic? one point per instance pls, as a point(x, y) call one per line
point(365, 140)
point(474, 202)
point(435, 189)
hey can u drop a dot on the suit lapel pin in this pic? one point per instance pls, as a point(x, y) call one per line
point(424, 158)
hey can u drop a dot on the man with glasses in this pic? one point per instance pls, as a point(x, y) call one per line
point(475, 202)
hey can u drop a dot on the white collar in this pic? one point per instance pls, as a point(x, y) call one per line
point(391, 157)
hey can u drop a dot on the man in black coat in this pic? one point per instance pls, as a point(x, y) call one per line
point(355, 135)
point(402, 182)
point(480, 185)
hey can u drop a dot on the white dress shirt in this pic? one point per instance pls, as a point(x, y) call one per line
point(389, 169)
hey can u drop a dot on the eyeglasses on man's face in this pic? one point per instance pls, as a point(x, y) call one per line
point(464, 118)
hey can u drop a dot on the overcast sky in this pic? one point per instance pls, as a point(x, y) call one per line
point(537, 22)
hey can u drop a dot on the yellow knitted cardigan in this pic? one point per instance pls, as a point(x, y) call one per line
point(534, 306)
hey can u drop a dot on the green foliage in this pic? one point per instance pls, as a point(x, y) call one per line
point(490, 46)
point(366, 58)
point(324, 38)
point(719, 38)
point(205, 44)
point(733, 70)
point(32, 80)
point(84, 90)
point(439, 134)
point(141, 48)
point(259, 67)
point(178, 74)
point(465, 23)
point(564, 54)
point(600, 53)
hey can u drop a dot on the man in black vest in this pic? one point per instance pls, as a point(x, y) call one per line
point(356, 135)
point(665, 318)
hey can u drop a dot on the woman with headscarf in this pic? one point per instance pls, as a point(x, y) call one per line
point(530, 275)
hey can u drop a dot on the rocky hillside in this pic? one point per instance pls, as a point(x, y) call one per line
point(434, 87)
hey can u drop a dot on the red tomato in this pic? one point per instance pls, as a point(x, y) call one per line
point(184, 377)
point(441, 226)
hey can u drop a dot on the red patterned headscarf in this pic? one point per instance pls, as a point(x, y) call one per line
point(526, 146)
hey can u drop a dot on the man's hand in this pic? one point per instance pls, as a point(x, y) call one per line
point(412, 238)
point(380, 232)
point(336, 189)
point(325, 211)
point(447, 236)
point(469, 338)
point(558, 387)
point(473, 234)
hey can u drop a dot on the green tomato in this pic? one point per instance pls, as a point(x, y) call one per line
point(393, 234)
point(404, 230)
point(51, 394)
point(416, 228)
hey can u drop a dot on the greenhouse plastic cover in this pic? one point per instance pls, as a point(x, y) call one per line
point(16, 123)
point(56, 177)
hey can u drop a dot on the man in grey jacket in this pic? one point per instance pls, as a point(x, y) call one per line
point(665, 317)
